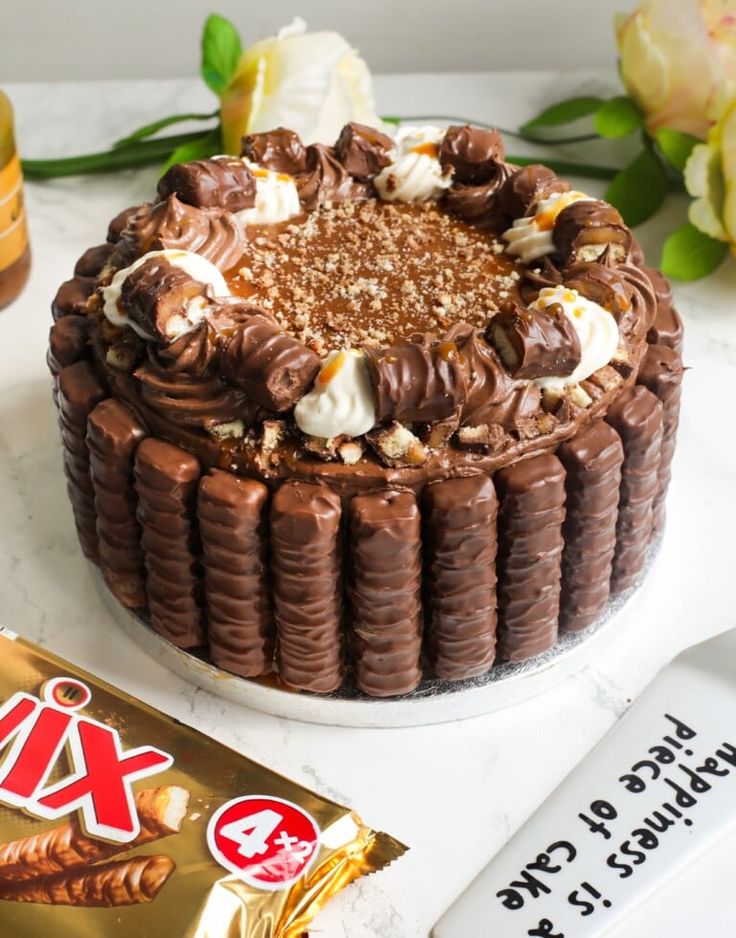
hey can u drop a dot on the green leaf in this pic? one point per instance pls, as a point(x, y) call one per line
point(688, 254)
point(563, 113)
point(639, 189)
point(221, 51)
point(617, 117)
point(675, 146)
point(148, 130)
point(199, 149)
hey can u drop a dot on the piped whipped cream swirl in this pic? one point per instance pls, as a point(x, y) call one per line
point(198, 267)
point(530, 237)
point(341, 403)
point(596, 328)
point(277, 198)
point(415, 174)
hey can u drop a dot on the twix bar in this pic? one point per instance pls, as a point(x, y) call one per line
point(107, 804)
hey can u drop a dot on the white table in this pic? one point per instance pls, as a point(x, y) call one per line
point(453, 792)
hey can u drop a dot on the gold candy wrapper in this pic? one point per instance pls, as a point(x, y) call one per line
point(118, 821)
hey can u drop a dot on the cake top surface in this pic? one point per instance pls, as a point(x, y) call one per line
point(387, 301)
point(365, 274)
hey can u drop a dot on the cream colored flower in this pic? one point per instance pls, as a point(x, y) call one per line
point(312, 83)
point(710, 176)
point(675, 55)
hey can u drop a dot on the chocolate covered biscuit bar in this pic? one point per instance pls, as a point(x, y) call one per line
point(240, 627)
point(531, 511)
point(166, 482)
point(592, 462)
point(386, 580)
point(460, 537)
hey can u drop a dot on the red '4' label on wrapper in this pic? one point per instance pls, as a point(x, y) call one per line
point(267, 842)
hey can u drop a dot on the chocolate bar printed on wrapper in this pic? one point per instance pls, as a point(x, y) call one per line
point(79, 390)
point(166, 483)
point(113, 435)
point(386, 579)
point(532, 498)
point(592, 461)
point(637, 418)
point(307, 585)
point(176, 835)
point(460, 536)
point(240, 625)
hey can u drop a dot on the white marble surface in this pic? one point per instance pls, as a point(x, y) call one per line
point(454, 792)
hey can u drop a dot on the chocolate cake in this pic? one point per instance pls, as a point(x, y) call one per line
point(358, 415)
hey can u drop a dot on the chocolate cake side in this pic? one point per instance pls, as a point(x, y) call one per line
point(366, 414)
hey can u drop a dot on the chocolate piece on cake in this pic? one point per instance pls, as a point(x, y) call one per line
point(585, 229)
point(113, 435)
point(121, 221)
point(363, 151)
point(280, 150)
point(273, 368)
point(459, 531)
point(479, 204)
point(224, 182)
point(79, 392)
point(93, 260)
point(71, 297)
point(667, 328)
point(636, 415)
point(232, 526)
point(661, 373)
point(420, 381)
point(325, 179)
point(157, 296)
point(307, 589)
point(592, 461)
point(473, 153)
point(385, 549)
point(68, 342)
point(531, 498)
point(527, 186)
point(535, 343)
point(166, 481)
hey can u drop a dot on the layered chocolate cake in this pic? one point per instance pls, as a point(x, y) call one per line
point(358, 415)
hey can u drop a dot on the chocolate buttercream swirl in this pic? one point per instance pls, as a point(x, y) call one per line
point(121, 221)
point(527, 186)
point(274, 369)
point(585, 229)
point(494, 397)
point(187, 400)
point(326, 179)
point(625, 291)
point(280, 150)
point(534, 280)
point(419, 381)
point(473, 153)
point(172, 224)
point(480, 204)
point(660, 285)
point(197, 352)
point(157, 294)
point(535, 343)
point(363, 151)
point(224, 182)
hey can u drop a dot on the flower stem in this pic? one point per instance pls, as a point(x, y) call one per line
point(568, 169)
point(141, 153)
point(519, 135)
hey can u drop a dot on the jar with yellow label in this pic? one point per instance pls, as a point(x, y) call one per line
point(15, 254)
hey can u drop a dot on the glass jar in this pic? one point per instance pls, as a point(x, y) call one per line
point(15, 252)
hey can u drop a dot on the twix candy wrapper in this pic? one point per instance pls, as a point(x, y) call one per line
point(118, 821)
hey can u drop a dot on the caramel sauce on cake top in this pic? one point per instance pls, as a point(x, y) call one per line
point(365, 274)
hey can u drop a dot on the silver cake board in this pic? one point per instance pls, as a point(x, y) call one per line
point(434, 701)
